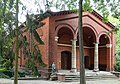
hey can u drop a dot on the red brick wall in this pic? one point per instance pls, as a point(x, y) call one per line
point(44, 33)
point(58, 56)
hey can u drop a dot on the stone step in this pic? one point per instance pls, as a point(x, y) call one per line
point(94, 77)
point(89, 75)
point(53, 77)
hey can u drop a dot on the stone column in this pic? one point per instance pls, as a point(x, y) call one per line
point(73, 56)
point(96, 63)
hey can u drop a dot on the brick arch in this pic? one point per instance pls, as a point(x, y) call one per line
point(104, 53)
point(89, 26)
point(103, 33)
point(67, 50)
point(59, 26)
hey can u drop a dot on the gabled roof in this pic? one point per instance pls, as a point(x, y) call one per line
point(74, 12)
point(61, 12)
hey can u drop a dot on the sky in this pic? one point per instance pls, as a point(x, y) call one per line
point(32, 7)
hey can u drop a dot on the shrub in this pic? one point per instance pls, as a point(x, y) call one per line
point(6, 72)
point(117, 66)
point(21, 73)
point(117, 56)
point(2, 75)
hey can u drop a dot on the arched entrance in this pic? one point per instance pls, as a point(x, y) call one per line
point(103, 52)
point(89, 38)
point(65, 35)
point(66, 60)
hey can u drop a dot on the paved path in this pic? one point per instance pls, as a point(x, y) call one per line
point(8, 81)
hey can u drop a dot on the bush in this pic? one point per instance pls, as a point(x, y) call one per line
point(21, 73)
point(2, 75)
point(117, 56)
point(117, 66)
point(6, 73)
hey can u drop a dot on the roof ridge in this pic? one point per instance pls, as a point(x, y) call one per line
point(75, 11)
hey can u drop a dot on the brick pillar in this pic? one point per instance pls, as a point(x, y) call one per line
point(109, 46)
point(96, 63)
point(56, 54)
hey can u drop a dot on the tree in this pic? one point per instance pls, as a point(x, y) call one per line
point(7, 23)
point(6, 52)
point(32, 53)
point(17, 46)
point(81, 49)
point(9, 26)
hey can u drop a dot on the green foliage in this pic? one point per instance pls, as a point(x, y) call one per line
point(118, 41)
point(117, 31)
point(37, 56)
point(6, 52)
point(7, 23)
point(62, 4)
point(2, 75)
point(118, 56)
point(37, 37)
point(117, 66)
point(34, 22)
point(34, 60)
point(6, 73)
point(30, 48)
point(87, 6)
point(21, 73)
point(104, 19)
point(32, 66)
point(5, 63)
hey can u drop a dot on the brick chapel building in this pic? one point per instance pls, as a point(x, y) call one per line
point(61, 44)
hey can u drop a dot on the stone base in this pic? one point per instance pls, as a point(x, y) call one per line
point(96, 70)
point(73, 70)
point(53, 77)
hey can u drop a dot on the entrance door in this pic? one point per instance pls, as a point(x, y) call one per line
point(86, 61)
point(66, 60)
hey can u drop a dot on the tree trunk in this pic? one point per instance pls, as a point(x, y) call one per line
point(17, 47)
point(30, 42)
point(82, 69)
point(1, 55)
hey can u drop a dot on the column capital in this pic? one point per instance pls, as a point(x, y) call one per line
point(108, 45)
point(96, 43)
point(74, 40)
point(56, 38)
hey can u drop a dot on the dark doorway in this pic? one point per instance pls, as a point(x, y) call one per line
point(66, 60)
point(86, 61)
